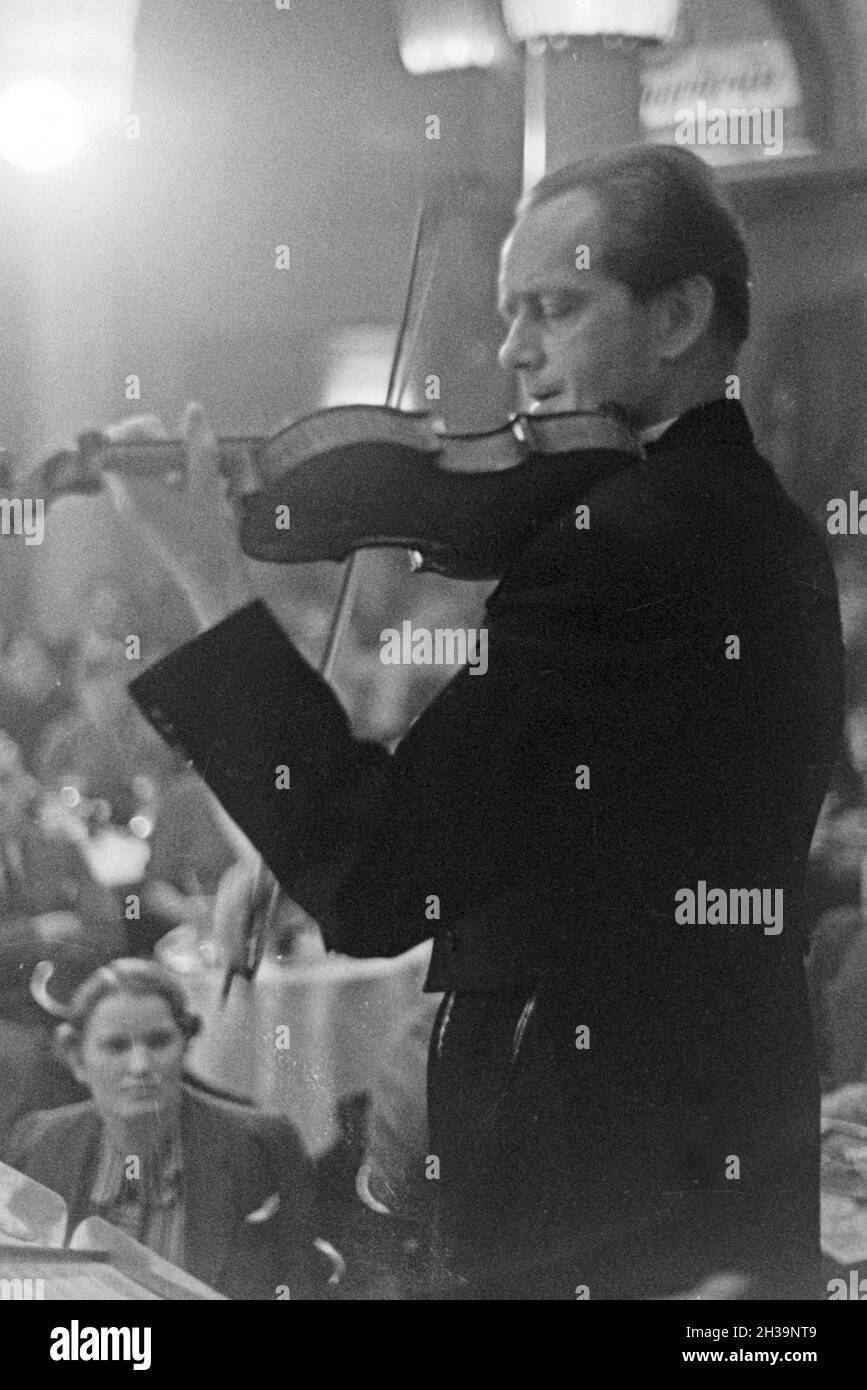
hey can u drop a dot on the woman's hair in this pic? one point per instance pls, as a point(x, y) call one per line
point(128, 976)
point(664, 218)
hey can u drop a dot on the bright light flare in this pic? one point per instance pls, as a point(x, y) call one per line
point(448, 52)
point(41, 125)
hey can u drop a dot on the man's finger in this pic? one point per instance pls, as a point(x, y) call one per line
point(136, 427)
point(202, 449)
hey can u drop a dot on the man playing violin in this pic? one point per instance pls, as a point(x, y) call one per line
point(622, 1091)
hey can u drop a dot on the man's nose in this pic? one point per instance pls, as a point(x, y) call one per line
point(141, 1061)
point(521, 349)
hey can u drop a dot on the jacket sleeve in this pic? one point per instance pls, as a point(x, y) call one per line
point(366, 841)
point(273, 743)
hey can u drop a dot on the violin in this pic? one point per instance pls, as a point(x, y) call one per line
point(357, 477)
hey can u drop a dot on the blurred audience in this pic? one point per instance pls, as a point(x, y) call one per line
point(191, 853)
point(49, 901)
point(32, 693)
point(104, 748)
point(42, 868)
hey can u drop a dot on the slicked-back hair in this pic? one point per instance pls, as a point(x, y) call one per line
point(664, 218)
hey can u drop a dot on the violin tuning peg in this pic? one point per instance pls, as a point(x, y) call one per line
point(90, 442)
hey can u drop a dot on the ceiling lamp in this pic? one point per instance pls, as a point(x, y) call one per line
point(638, 19)
point(66, 69)
point(450, 35)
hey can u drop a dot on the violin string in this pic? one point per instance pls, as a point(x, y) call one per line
point(417, 322)
point(393, 392)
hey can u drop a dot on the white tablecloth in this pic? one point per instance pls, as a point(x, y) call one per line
point(299, 1037)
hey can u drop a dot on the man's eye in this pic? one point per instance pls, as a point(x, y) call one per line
point(557, 307)
point(156, 1040)
point(116, 1045)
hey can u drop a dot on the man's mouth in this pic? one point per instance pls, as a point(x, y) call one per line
point(542, 403)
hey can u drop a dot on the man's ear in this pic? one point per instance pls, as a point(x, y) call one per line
point(683, 314)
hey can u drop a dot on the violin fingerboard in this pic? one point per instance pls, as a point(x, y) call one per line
point(144, 458)
point(167, 458)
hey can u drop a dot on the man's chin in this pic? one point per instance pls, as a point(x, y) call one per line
point(140, 1106)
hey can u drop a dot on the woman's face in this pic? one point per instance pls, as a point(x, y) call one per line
point(131, 1057)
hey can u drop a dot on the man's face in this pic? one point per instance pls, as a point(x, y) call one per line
point(577, 337)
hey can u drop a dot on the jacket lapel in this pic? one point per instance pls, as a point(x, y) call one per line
point(78, 1158)
point(209, 1205)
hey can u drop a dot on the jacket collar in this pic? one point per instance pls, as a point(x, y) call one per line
point(720, 424)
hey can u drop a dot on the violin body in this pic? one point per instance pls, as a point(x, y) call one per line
point(358, 477)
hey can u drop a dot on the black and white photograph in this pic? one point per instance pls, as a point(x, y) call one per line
point(433, 666)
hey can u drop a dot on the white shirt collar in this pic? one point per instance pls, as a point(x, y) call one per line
point(654, 432)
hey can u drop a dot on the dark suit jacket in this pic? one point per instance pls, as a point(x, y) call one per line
point(611, 647)
point(234, 1161)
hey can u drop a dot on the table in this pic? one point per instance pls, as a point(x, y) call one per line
point(66, 1276)
point(298, 1038)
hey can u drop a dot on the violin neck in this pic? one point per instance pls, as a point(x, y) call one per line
point(162, 458)
point(80, 470)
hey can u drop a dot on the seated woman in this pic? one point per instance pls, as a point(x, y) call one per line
point(222, 1191)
